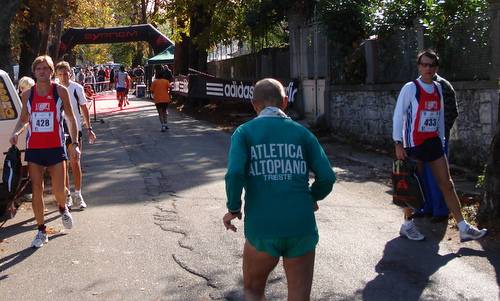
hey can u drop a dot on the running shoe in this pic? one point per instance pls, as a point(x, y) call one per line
point(40, 239)
point(411, 232)
point(78, 199)
point(162, 128)
point(165, 126)
point(67, 219)
point(69, 201)
point(472, 233)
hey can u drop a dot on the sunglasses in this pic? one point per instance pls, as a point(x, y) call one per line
point(433, 65)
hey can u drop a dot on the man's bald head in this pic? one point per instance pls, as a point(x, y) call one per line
point(268, 92)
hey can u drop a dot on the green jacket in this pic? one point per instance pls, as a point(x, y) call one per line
point(270, 157)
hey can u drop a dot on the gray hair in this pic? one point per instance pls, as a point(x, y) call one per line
point(268, 91)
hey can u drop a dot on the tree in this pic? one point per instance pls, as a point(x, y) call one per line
point(191, 22)
point(33, 25)
point(9, 10)
point(490, 206)
point(199, 25)
point(85, 16)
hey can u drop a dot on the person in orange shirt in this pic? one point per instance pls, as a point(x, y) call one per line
point(160, 88)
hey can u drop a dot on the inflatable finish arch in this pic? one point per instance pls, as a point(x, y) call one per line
point(133, 33)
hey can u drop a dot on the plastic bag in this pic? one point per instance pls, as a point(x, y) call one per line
point(407, 190)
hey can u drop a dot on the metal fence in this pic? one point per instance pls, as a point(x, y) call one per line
point(269, 62)
point(465, 55)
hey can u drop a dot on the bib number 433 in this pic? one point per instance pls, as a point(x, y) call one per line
point(428, 121)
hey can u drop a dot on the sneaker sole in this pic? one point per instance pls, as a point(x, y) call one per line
point(469, 239)
point(404, 236)
point(33, 246)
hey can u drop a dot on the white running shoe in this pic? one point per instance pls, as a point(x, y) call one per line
point(411, 232)
point(40, 239)
point(69, 201)
point(78, 199)
point(472, 233)
point(67, 219)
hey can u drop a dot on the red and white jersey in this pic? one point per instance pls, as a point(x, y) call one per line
point(416, 120)
point(45, 128)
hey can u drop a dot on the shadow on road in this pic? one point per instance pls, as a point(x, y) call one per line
point(129, 155)
point(23, 226)
point(18, 257)
point(491, 248)
point(406, 267)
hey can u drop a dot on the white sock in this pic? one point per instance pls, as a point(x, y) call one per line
point(462, 226)
point(78, 192)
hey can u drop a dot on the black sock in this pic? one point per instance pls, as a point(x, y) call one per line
point(42, 228)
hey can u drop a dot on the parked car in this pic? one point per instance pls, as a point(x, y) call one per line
point(10, 109)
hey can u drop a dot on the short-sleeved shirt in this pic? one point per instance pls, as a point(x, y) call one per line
point(160, 88)
point(121, 79)
point(77, 98)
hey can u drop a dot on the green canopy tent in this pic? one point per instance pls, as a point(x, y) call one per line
point(166, 57)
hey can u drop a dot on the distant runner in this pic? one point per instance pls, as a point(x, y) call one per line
point(122, 84)
point(161, 95)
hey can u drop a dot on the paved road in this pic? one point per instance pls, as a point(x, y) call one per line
point(153, 229)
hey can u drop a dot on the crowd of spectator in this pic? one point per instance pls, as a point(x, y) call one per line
point(102, 78)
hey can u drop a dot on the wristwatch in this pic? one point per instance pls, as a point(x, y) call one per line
point(76, 144)
point(89, 128)
point(398, 142)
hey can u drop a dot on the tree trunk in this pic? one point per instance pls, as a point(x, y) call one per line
point(144, 17)
point(181, 61)
point(7, 13)
point(490, 207)
point(56, 38)
point(199, 21)
point(31, 40)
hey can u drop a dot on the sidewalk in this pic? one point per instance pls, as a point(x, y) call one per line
point(462, 177)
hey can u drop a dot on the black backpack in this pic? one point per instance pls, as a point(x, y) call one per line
point(11, 178)
point(12, 169)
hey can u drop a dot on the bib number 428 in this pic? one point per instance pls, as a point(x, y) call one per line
point(43, 122)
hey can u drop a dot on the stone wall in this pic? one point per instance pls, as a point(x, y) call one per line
point(363, 113)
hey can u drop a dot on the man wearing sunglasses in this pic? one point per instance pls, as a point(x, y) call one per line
point(419, 134)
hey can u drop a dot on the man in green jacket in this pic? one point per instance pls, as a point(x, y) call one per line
point(271, 157)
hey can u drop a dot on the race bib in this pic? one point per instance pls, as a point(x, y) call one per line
point(428, 121)
point(42, 122)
